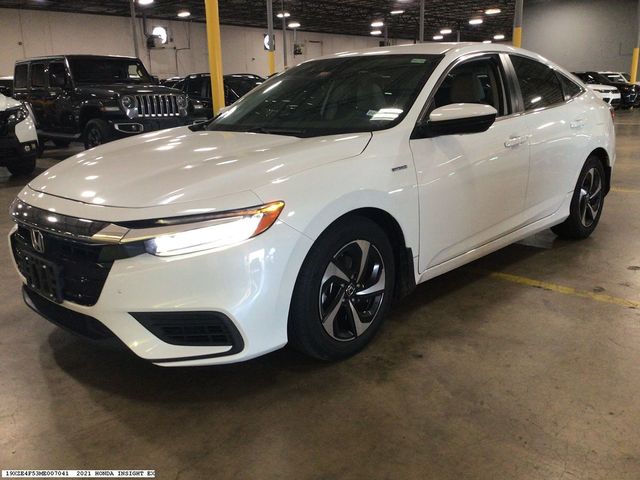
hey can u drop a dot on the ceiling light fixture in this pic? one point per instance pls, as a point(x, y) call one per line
point(438, 37)
point(145, 2)
point(498, 37)
point(475, 21)
point(294, 25)
point(492, 11)
point(184, 13)
point(445, 31)
point(396, 12)
point(376, 32)
point(377, 23)
point(283, 14)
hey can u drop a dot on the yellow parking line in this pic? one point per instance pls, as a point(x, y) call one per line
point(554, 287)
point(624, 190)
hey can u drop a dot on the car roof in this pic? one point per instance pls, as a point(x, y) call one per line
point(60, 57)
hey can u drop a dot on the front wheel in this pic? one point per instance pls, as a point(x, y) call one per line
point(586, 203)
point(343, 290)
point(96, 133)
point(22, 167)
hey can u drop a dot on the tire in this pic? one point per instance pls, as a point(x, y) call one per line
point(96, 132)
point(24, 168)
point(586, 204)
point(61, 143)
point(332, 285)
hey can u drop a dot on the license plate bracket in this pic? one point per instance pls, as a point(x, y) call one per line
point(43, 277)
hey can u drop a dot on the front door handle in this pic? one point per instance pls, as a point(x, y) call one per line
point(515, 141)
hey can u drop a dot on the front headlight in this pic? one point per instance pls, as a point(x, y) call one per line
point(226, 229)
point(127, 102)
point(17, 114)
point(182, 101)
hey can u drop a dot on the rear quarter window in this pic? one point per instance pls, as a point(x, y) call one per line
point(538, 82)
point(569, 87)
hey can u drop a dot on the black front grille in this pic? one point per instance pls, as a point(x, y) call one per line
point(83, 267)
point(78, 323)
point(82, 273)
point(191, 328)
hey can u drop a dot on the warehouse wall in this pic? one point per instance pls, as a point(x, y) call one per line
point(580, 35)
point(29, 33)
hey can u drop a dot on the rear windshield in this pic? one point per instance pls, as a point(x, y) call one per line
point(108, 71)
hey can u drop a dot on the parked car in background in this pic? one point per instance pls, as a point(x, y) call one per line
point(629, 93)
point(95, 99)
point(6, 86)
point(198, 87)
point(609, 94)
point(18, 137)
point(303, 212)
point(618, 77)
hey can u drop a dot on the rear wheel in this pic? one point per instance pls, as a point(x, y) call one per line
point(343, 290)
point(96, 133)
point(587, 202)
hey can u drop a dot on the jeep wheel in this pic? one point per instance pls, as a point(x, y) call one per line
point(23, 168)
point(96, 133)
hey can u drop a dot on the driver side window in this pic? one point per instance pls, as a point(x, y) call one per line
point(474, 81)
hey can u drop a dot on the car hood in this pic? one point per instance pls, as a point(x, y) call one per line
point(179, 165)
point(121, 89)
point(600, 86)
point(7, 102)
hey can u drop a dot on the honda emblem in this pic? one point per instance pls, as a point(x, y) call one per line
point(37, 241)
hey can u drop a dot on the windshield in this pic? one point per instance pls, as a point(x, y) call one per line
point(242, 85)
point(108, 71)
point(338, 95)
point(615, 77)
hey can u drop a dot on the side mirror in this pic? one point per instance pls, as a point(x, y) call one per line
point(457, 119)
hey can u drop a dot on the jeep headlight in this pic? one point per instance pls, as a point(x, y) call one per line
point(127, 102)
point(181, 101)
point(222, 230)
point(16, 115)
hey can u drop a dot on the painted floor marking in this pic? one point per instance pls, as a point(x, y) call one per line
point(554, 287)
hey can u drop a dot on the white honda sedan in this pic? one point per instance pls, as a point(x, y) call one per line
point(303, 211)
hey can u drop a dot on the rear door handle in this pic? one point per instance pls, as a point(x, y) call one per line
point(577, 123)
point(515, 141)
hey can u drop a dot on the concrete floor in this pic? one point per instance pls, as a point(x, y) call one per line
point(477, 375)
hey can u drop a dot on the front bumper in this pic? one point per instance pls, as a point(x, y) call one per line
point(249, 284)
point(125, 127)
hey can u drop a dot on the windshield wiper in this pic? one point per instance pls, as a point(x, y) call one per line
point(276, 131)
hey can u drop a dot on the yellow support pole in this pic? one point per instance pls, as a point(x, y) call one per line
point(517, 23)
point(272, 62)
point(634, 65)
point(517, 37)
point(215, 54)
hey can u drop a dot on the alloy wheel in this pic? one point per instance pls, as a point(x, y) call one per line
point(590, 200)
point(352, 290)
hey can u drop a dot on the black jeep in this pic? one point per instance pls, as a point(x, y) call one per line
point(96, 99)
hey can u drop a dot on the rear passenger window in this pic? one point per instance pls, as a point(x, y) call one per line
point(569, 88)
point(20, 76)
point(37, 75)
point(539, 84)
